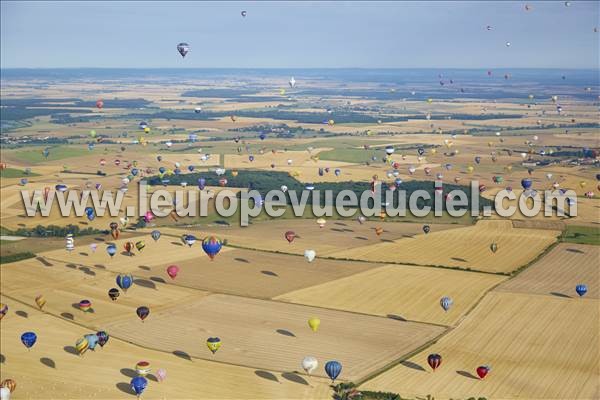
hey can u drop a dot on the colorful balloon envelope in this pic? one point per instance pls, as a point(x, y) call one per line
point(314, 323)
point(142, 368)
point(333, 369)
point(111, 249)
point(378, 231)
point(92, 340)
point(128, 247)
point(211, 246)
point(10, 384)
point(189, 240)
point(172, 271)
point(140, 245)
point(482, 371)
point(28, 339)
point(213, 344)
point(138, 385)
point(290, 236)
point(434, 361)
point(142, 312)
point(40, 301)
point(161, 374)
point(85, 305)
point(124, 281)
point(426, 229)
point(581, 290)
point(102, 338)
point(113, 293)
point(3, 310)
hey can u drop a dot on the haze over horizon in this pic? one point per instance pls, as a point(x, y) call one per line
point(388, 35)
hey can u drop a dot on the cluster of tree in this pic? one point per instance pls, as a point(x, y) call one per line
point(265, 181)
point(55, 231)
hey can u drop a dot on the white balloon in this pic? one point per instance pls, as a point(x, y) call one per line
point(284, 188)
point(309, 364)
point(5, 392)
point(310, 255)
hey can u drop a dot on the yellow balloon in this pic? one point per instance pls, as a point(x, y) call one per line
point(234, 172)
point(40, 301)
point(213, 344)
point(433, 151)
point(282, 92)
point(429, 100)
point(582, 183)
point(82, 345)
point(321, 222)
point(314, 323)
point(146, 130)
point(470, 168)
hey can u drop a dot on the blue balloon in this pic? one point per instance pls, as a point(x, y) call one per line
point(581, 290)
point(28, 339)
point(134, 171)
point(177, 171)
point(46, 153)
point(333, 369)
point(124, 281)
point(24, 181)
point(446, 303)
point(477, 159)
point(159, 158)
point(337, 172)
point(111, 250)
point(60, 188)
point(155, 235)
point(251, 158)
point(526, 183)
point(92, 339)
point(320, 171)
point(201, 183)
point(262, 136)
point(162, 170)
point(191, 168)
point(91, 146)
point(139, 384)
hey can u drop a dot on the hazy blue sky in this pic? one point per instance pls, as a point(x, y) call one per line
point(294, 34)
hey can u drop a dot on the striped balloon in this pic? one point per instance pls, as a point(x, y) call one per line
point(40, 301)
point(446, 303)
point(434, 361)
point(333, 369)
point(3, 310)
point(124, 281)
point(82, 345)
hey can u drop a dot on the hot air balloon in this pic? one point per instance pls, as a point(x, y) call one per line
point(378, 231)
point(142, 368)
point(138, 385)
point(85, 305)
point(211, 246)
point(244, 13)
point(113, 293)
point(3, 310)
point(92, 340)
point(140, 245)
point(309, 364)
point(482, 371)
point(446, 303)
point(172, 271)
point(361, 219)
point(155, 235)
point(309, 255)
point(142, 312)
point(189, 239)
point(70, 243)
point(114, 230)
point(128, 246)
point(314, 323)
point(82, 345)
point(581, 290)
point(290, 236)
point(99, 103)
point(426, 229)
point(434, 361)
point(40, 301)
point(28, 339)
point(9, 384)
point(333, 369)
point(124, 281)
point(183, 49)
point(494, 247)
point(213, 344)
point(111, 249)
point(161, 374)
point(102, 338)
point(321, 222)
point(526, 183)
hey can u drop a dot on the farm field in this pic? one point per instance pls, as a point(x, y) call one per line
point(400, 292)
point(465, 247)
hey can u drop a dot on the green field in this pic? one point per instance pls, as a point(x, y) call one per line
point(36, 156)
point(582, 235)
point(15, 173)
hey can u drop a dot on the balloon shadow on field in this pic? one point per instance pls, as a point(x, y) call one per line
point(22, 314)
point(412, 365)
point(145, 283)
point(99, 239)
point(68, 315)
point(340, 223)
point(269, 273)
point(128, 372)
point(458, 259)
point(71, 265)
point(266, 375)
point(151, 377)
point(127, 254)
point(294, 378)
point(557, 294)
point(44, 262)
point(157, 279)
point(467, 374)
point(125, 388)
point(144, 267)
point(71, 350)
point(99, 266)
point(243, 260)
point(285, 332)
point(396, 317)
point(48, 362)
point(2, 359)
point(87, 271)
point(176, 243)
point(182, 354)
point(83, 254)
point(360, 238)
point(576, 251)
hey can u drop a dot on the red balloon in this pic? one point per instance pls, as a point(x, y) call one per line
point(482, 371)
point(100, 103)
point(290, 236)
point(172, 271)
point(434, 361)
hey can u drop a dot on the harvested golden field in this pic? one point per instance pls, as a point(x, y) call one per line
point(251, 273)
point(335, 236)
point(559, 271)
point(400, 291)
point(276, 336)
point(466, 247)
point(537, 347)
point(51, 368)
